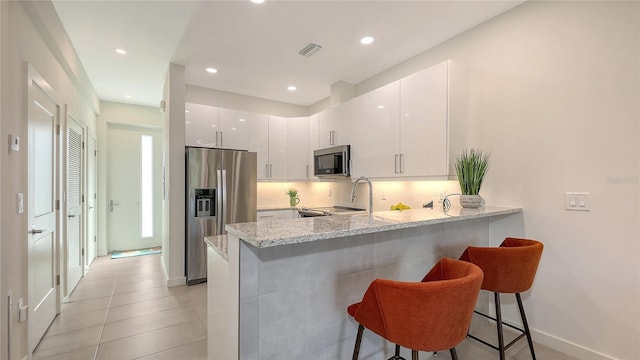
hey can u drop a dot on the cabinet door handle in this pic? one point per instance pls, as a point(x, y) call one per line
point(221, 143)
point(401, 163)
point(395, 163)
point(270, 171)
point(266, 171)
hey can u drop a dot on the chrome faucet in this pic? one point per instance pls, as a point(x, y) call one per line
point(353, 195)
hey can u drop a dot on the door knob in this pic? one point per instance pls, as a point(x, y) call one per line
point(112, 204)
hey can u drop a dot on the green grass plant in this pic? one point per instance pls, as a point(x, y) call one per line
point(471, 166)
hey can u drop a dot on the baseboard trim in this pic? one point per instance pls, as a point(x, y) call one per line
point(567, 347)
point(177, 281)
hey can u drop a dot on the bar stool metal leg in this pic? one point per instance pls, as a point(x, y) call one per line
point(454, 354)
point(526, 326)
point(499, 324)
point(414, 355)
point(356, 348)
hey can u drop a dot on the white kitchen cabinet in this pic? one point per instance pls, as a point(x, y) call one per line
point(213, 127)
point(268, 138)
point(375, 127)
point(334, 126)
point(402, 129)
point(277, 148)
point(200, 124)
point(314, 143)
point(424, 122)
point(284, 214)
point(233, 129)
point(297, 148)
point(259, 142)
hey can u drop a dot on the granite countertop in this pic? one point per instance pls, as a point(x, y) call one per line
point(284, 232)
point(219, 244)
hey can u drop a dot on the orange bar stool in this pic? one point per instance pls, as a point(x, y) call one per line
point(430, 315)
point(509, 269)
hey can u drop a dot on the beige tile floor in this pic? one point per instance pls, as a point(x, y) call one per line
point(122, 310)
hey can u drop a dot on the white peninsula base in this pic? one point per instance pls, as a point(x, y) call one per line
point(282, 290)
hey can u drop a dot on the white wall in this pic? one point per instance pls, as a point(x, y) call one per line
point(199, 95)
point(31, 32)
point(554, 95)
point(173, 211)
point(130, 115)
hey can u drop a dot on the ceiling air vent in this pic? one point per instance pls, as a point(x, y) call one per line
point(310, 49)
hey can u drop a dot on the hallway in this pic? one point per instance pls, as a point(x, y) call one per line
point(122, 310)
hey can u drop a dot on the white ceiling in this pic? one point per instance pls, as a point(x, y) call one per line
point(255, 46)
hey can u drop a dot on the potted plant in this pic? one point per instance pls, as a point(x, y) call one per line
point(471, 166)
point(293, 197)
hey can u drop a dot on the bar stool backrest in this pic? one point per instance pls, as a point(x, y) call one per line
point(509, 268)
point(427, 316)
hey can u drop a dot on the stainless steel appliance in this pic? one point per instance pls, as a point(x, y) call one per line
point(328, 211)
point(332, 162)
point(221, 188)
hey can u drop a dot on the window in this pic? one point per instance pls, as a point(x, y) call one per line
point(146, 185)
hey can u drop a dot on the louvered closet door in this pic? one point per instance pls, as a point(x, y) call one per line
point(74, 205)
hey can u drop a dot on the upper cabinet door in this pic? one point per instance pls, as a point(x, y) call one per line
point(313, 141)
point(424, 122)
point(298, 148)
point(259, 142)
point(334, 126)
point(374, 128)
point(233, 129)
point(277, 148)
point(200, 125)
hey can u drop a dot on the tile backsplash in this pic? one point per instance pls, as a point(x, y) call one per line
point(338, 192)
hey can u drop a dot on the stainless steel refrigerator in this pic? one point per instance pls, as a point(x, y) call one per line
point(221, 188)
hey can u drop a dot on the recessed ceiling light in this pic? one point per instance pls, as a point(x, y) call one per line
point(121, 51)
point(257, 1)
point(242, 120)
point(366, 40)
point(291, 88)
point(380, 106)
point(212, 70)
point(186, 111)
point(128, 96)
point(187, 122)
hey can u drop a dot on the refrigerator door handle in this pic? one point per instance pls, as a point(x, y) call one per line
point(223, 218)
point(219, 204)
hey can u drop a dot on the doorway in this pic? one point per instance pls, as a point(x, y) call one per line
point(134, 187)
point(74, 244)
point(42, 234)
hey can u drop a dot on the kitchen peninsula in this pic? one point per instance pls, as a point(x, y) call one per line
point(279, 289)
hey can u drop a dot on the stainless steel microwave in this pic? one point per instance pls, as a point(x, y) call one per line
point(332, 162)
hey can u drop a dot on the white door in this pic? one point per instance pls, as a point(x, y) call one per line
point(42, 234)
point(125, 190)
point(91, 240)
point(74, 249)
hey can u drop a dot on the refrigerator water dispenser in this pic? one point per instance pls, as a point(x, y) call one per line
point(205, 202)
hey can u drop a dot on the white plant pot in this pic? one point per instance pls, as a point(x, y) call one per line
point(470, 201)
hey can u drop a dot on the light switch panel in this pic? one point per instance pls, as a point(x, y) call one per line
point(578, 201)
